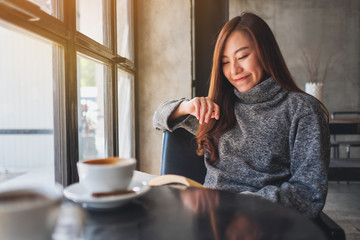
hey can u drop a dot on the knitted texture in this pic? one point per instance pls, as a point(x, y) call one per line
point(279, 148)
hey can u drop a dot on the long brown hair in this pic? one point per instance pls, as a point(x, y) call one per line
point(221, 90)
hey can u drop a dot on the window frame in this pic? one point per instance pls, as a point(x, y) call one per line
point(62, 30)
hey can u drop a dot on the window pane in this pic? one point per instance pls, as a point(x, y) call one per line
point(91, 79)
point(126, 109)
point(90, 19)
point(48, 6)
point(124, 28)
point(26, 105)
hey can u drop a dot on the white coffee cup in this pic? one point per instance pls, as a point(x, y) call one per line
point(107, 174)
point(29, 212)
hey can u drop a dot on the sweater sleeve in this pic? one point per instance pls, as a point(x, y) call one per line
point(306, 189)
point(161, 118)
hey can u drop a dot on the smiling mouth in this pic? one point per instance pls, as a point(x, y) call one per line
point(242, 78)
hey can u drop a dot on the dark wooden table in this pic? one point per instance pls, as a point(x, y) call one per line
point(170, 213)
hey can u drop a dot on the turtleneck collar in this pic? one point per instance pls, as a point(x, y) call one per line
point(262, 92)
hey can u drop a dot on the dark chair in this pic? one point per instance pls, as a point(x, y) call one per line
point(179, 157)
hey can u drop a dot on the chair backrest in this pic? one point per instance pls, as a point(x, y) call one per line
point(179, 156)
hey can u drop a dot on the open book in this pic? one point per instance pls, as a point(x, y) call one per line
point(170, 179)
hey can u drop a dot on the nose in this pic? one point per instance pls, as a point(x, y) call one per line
point(236, 68)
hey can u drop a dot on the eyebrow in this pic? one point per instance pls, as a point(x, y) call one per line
point(238, 50)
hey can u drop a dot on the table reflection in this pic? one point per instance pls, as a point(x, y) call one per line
point(193, 213)
point(239, 226)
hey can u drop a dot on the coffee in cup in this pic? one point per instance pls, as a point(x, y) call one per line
point(107, 174)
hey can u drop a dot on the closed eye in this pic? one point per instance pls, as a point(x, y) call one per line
point(243, 57)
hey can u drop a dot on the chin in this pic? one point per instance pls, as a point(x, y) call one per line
point(244, 89)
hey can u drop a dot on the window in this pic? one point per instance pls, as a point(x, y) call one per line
point(124, 28)
point(63, 84)
point(48, 6)
point(90, 18)
point(27, 126)
point(91, 79)
point(126, 114)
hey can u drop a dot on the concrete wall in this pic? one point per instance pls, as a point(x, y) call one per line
point(164, 53)
point(332, 26)
point(163, 49)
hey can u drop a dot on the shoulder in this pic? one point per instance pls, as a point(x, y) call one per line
point(303, 103)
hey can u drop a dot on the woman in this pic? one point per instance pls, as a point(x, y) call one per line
point(260, 134)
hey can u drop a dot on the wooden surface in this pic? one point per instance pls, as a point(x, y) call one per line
point(194, 213)
point(345, 120)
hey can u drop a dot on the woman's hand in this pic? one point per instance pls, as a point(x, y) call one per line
point(203, 108)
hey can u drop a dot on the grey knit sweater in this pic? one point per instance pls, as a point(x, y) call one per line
point(279, 148)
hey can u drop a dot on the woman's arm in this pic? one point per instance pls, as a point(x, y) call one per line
point(203, 108)
point(184, 113)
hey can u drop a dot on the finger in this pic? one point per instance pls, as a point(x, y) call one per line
point(210, 108)
point(202, 110)
point(213, 115)
point(197, 108)
point(216, 111)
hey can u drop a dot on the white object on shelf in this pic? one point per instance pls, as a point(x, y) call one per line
point(315, 89)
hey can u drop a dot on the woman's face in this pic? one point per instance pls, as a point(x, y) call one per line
point(240, 63)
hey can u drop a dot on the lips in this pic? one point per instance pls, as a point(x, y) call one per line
point(241, 78)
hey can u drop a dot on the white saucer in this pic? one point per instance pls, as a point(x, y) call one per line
point(77, 193)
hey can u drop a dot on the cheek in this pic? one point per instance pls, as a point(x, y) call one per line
point(226, 71)
point(255, 67)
